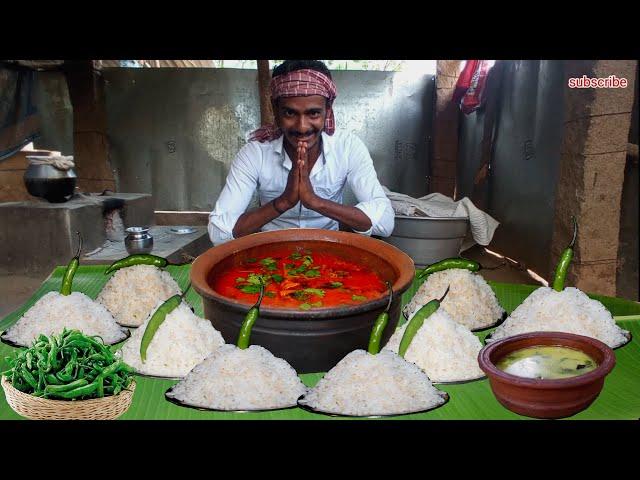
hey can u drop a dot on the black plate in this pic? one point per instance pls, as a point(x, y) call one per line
point(140, 374)
point(203, 409)
point(460, 382)
point(497, 323)
point(127, 326)
point(11, 343)
point(444, 395)
point(628, 335)
point(155, 376)
point(6, 341)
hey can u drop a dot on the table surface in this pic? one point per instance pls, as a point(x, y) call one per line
point(165, 244)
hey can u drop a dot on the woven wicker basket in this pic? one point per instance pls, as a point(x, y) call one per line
point(37, 408)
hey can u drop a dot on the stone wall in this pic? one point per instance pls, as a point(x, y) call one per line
point(591, 175)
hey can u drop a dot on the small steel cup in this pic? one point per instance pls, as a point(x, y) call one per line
point(138, 240)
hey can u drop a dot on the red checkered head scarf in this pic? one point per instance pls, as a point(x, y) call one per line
point(299, 83)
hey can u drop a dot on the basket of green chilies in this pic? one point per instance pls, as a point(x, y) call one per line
point(69, 376)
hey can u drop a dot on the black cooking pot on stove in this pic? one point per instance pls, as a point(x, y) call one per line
point(51, 183)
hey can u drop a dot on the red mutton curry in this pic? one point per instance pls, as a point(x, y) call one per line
point(301, 279)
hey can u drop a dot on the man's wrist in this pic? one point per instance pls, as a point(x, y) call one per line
point(276, 207)
point(315, 203)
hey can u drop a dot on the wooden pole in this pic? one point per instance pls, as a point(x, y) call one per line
point(445, 145)
point(90, 145)
point(264, 77)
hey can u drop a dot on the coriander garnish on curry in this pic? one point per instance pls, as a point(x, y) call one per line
point(300, 278)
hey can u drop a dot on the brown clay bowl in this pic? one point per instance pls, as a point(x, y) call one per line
point(546, 398)
point(317, 339)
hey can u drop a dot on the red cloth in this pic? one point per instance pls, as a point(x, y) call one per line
point(299, 83)
point(469, 91)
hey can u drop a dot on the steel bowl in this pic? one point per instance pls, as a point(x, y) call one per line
point(317, 339)
point(429, 239)
point(138, 240)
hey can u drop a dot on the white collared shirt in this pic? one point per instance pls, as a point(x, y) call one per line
point(265, 167)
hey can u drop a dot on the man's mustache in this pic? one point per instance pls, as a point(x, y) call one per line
point(300, 134)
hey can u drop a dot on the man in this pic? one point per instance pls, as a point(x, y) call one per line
point(301, 167)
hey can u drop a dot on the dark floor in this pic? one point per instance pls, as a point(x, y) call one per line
point(16, 289)
point(508, 271)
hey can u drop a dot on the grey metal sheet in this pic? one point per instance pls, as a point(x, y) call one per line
point(174, 133)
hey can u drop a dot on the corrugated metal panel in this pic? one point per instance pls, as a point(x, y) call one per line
point(524, 168)
point(174, 133)
point(158, 63)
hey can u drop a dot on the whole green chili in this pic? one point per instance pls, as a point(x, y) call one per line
point(53, 353)
point(29, 378)
point(100, 389)
point(448, 263)
point(156, 320)
point(52, 380)
point(77, 392)
point(565, 260)
point(379, 326)
point(137, 259)
point(78, 360)
point(417, 321)
point(68, 386)
point(41, 380)
point(77, 343)
point(250, 318)
point(64, 377)
point(67, 279)
point(111, 369)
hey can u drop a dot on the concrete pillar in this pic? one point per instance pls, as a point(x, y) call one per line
point(591, 174)
point(445, 140)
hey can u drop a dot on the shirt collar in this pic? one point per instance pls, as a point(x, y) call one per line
point(278, 144)
point(327, 146)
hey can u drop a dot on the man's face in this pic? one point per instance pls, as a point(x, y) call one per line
point(302, 118)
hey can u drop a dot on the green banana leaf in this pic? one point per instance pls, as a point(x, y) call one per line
point(619, 400)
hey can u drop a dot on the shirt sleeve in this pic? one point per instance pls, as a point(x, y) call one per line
point(366, 187)
point(236, 195)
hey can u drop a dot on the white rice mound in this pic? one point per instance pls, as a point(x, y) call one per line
point(240, 379)
point(362, 384)
point(132, 293)
point(570, 311)
point(444, 349)
point(470, 300)
point(181, 342)
point(54, 312)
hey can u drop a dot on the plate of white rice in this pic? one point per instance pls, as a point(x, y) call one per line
point(470, 302)
point(365, 385)
point(570, 311)
point(444, 349)
point(132, 293)
point(54, 312)
point(181, 342)
point(239, 380)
